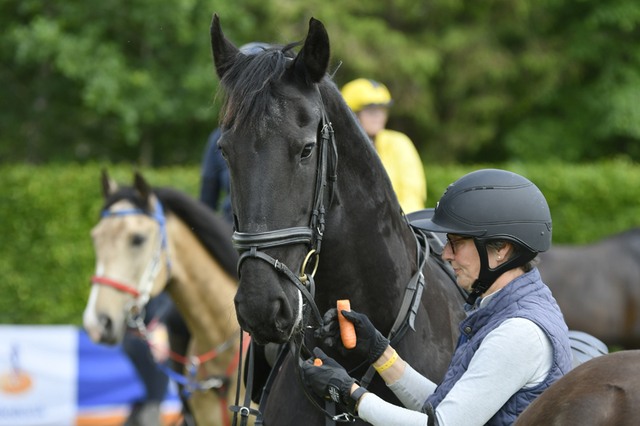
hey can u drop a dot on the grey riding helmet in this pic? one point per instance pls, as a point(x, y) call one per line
point(494, 205)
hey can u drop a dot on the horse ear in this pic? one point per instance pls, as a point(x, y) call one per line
point(313, 59)
point(142, 188)
point(109, 186)
point(224, 51)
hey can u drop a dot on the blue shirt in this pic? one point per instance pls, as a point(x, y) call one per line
point(215, 177)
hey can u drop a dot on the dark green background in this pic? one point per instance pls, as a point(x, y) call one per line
point(474, 81)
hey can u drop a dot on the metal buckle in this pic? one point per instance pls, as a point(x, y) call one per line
point(135, 316)
point(278, 265)
point(344, 417)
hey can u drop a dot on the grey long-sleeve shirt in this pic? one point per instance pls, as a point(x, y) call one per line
point(516, 355)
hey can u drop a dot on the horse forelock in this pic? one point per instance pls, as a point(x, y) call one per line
point(252, 84)
point(126, 193)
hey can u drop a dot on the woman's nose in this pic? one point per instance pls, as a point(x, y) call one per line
point(447, 253)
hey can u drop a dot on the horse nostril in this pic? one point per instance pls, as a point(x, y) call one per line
point(107, 328)
point(281, 314)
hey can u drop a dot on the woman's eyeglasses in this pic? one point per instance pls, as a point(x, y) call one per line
point(454, 241)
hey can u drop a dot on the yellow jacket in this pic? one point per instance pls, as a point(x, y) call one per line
point(404, 167)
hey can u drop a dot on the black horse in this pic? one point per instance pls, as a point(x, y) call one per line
point(597, 286)
point(284, 128)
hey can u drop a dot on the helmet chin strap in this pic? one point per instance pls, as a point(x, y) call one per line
point(488, 275)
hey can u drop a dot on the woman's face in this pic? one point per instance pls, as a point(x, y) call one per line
point(464, 258)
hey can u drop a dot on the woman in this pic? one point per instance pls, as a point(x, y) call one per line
point(513, 343)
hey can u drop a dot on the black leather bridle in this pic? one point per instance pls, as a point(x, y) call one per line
point(251, 244)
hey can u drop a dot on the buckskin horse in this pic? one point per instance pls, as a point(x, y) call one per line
point(148, 240)
point(309, 191)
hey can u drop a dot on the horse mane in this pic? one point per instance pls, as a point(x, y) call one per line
point(211, 230)
point(251, 82)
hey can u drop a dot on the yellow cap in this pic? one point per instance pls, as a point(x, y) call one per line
point(363, 92)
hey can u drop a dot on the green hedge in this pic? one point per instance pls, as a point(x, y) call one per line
point(46, 214)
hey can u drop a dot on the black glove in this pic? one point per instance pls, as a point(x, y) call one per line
point(370, 343)
point(329, 380)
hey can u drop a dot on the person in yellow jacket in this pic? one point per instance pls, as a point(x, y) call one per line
point(370, 101)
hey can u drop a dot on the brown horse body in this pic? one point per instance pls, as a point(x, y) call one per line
point(200, 286)
point(601, 392)
point(203, 293)
point(597, 287)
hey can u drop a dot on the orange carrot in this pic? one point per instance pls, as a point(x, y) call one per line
point(347, 330)
point(317, 362)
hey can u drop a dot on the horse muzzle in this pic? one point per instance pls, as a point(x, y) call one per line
point(269, 316)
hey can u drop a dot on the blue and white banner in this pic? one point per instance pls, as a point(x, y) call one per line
point(38, 375)
point(55, 376)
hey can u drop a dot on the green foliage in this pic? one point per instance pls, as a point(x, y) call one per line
point(476, 81)
point(117, 80)
point(46, 214)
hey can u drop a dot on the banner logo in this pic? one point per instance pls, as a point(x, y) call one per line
point(15, 380)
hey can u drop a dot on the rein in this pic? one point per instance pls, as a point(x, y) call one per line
point(193, 364)
point(251, 245)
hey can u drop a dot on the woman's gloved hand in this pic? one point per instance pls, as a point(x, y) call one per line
point(370, 342)
point(329, 380)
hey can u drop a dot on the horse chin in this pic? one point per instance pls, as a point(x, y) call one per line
point(271, 336)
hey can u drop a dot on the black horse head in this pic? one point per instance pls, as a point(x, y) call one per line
point(272, 120)
point(272, 138)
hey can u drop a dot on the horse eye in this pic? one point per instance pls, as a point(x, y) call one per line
point(307, 151)
point(138, 239)
point(223, 154)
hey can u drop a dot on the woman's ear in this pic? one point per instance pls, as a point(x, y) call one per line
point(504, 253)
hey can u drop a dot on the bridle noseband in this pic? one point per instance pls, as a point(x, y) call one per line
point(142, 292)
point(251, 243)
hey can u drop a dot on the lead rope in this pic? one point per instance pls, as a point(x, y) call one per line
point(244, 410)
point(267, 387)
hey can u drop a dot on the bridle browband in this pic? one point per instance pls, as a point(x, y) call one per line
point(251, 244)
point(142, 292)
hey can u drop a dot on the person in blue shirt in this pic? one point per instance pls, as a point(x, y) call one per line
point(214, 187)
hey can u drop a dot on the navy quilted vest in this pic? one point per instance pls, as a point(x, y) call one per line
point(525, 297)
